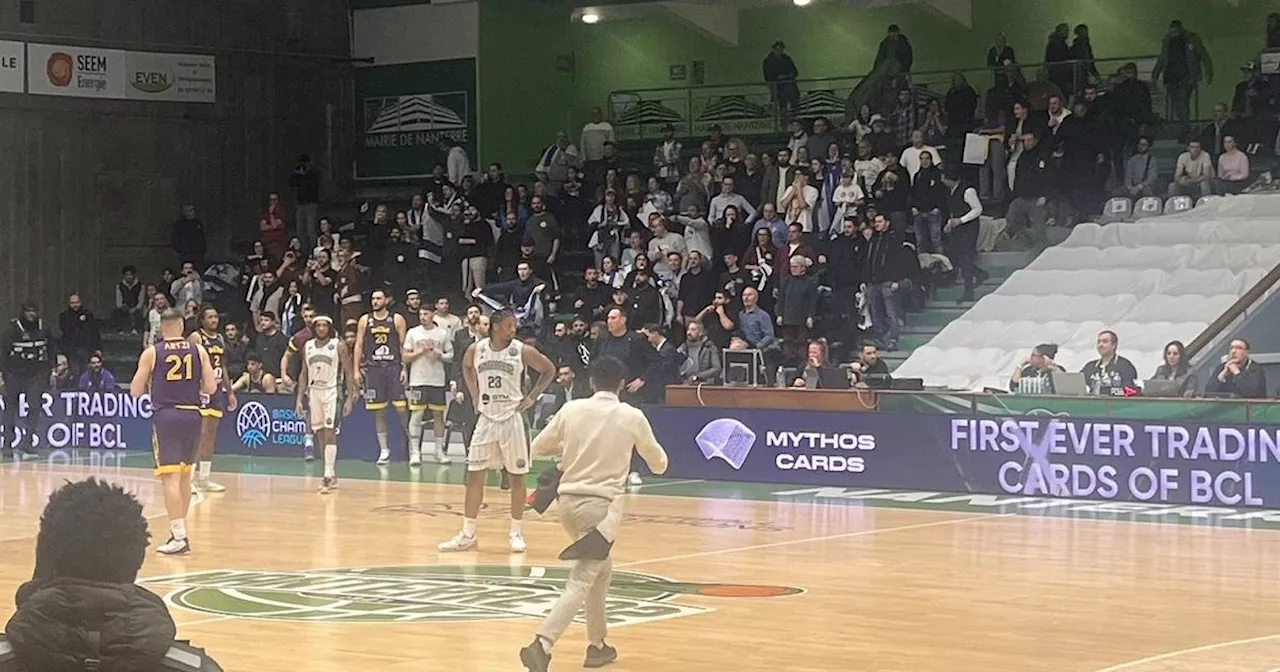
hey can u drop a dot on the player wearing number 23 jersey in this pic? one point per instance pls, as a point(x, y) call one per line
point(501, 440)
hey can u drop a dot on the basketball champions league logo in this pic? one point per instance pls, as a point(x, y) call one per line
point(253, 425)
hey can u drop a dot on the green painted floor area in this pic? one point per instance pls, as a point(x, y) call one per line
point(1251, 518)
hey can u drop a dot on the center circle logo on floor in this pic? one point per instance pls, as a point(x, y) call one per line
point(253, 425)
point(434, 593)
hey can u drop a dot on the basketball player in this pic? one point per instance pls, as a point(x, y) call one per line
point(428, 349)
point(326, 363)
point(180, 378)
point(595, 436)
point(287, 370)
point(223, 400)
point(494, 370)
point(379, 335)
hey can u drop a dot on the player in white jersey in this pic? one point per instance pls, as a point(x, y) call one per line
point(428, 349)
point(494, 370)
point(326, 364)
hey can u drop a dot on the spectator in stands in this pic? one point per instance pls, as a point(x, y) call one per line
point(1240, 376)
point(910, 158)
point(595, 173)
point(961, 106)
point(609, 223)
point(769, 220)
point(188, 286)
point(796, 246)
point(591, 297)
point(905, 117)
point(800, 201)
point(928, 205)
point(1081, 52)
point(694, 188)
point(697, 288)
point(271, 227)
point(777, 179)
point(1110, 374)
point(797, 141)
point(1254, 101)
point(595, 134)
point(188, 238)
point(1033, 375)
point(1233, 169)
point(697, 231)
point(255, 378)
point(717, 319)
point(1000, 56)
point(159, 304)
point(305, 182)
point(895, 48)
point(1034, 183)
point(166, 282)
point(131, 302)
point(881, 137)
point(700, 358)
point(658, 200)
point(552, 168)
point(1057, 53)
point(1184, 63)
point(80, 333)
point(868, 363)
point(821, 138)
point(750, 180)
point(96, 378)
point(664, 242)
point(269, 343)
point(780, 73)
point(891, 194)
point(728, 197)
point(797, 306)
point(887, 265)
point(488, 196)
point(963, 213)
point(1040, 91)
point(544, 230)
point(628, 346)
point(1140, 173)
point(663, 369)
point(1176, 369)
point(267, 297)
point(666, 158)
point(1214, 134)
point(237, 350)
point(756, 325)
point(1193, 174)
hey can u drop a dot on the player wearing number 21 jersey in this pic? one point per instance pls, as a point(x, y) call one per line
point(179, 376)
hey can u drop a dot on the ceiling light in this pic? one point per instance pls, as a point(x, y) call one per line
point(802, 3)
point(590, 17)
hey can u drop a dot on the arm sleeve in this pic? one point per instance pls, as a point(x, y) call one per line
point(550, 441)
point(975, 206)
point(647, 444)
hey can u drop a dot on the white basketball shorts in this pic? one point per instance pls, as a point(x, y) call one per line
point(322, 409)
point(500, 444)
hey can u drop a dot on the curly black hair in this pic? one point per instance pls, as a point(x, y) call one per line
point(92, 530)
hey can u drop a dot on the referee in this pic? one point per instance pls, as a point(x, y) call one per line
point(595, 437)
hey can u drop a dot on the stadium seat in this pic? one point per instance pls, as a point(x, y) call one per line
point(1119, 209)
point(1148, 206)
point(1206, 199)
point(1178, 204)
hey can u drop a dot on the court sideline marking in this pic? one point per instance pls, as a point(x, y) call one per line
point(1182, 652)
point(830, 537)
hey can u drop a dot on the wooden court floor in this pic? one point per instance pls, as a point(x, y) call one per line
point(283, 578)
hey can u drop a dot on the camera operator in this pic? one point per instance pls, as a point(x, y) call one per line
point(26, 360)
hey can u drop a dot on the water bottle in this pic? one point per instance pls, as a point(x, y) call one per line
point(777, 378)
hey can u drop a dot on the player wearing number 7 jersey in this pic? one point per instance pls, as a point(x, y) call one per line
point(222, 401)
point(494, 370)
point(326, 365)
point(180, 379)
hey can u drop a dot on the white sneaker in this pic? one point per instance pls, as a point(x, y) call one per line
point(634, 479)
point(210, 486)
point(458, 543)
point(442, 456)
point(415, 458)
point(384, 457)
point(516, 540)
point(174, 547)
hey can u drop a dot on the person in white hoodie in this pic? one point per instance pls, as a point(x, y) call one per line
point(594, 134)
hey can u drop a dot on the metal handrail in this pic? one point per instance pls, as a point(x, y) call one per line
point(923, 73)
point(1237, 310)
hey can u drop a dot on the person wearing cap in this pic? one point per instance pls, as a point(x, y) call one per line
point(780, 73)
point(408, 309)
point(666, 158)
point(26, 362)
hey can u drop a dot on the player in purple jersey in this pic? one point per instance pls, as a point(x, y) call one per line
point(223, 400)
point(380, 369)
point(180, 379)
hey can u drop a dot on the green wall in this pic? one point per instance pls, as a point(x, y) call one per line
point(524, 100)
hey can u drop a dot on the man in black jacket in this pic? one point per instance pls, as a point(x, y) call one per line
point(843, 257)
point(26, 358)
point(1034, 183)
point(1240, 375)
point(664, 366)
point(797, 305)
point(886, 266)
point(80, 334)
point(627, 346)
point(592, 296)
point(82, 610)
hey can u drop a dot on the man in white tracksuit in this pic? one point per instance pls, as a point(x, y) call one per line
point(595, 437)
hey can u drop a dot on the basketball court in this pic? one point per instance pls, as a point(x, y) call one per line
point(708, 577)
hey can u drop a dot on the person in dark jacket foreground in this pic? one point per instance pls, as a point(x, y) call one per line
point(82, 611)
